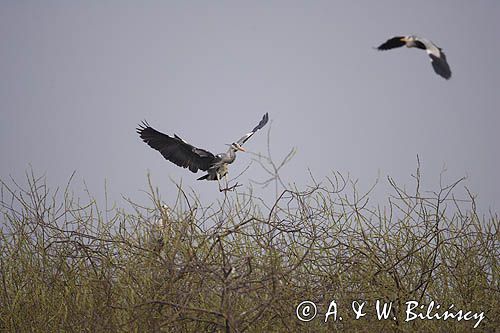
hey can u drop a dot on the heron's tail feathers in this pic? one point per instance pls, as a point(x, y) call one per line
point(204, 177)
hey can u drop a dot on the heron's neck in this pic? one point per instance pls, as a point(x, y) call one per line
point(231, 153)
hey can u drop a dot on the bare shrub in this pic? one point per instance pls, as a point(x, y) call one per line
point(241, 264)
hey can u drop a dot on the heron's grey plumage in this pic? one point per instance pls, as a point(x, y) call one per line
point(438, 58)
point(247, 136)
point(176, 150)
point(185, 155)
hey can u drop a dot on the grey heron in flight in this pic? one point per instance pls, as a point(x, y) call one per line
point(183, 154)
point(438, 58)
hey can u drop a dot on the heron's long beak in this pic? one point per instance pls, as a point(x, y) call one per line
point(241, 148)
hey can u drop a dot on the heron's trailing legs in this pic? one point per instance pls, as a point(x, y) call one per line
point(227, 188)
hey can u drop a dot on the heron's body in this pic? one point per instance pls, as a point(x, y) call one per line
point(438, 58)
point(219, 168)
point(183, 154)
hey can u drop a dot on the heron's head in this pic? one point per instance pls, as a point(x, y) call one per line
point(236, 147)
point(410, 40)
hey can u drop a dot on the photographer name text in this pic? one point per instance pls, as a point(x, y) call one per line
point(307, 311)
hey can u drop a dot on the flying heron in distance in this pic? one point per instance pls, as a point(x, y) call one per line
point(183, 154)
point(438, 58)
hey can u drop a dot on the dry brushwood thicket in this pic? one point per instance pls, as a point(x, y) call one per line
point(242, 264)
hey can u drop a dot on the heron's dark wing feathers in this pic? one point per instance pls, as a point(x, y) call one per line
point(247, 136)
point(176, 150)
point(440, 65)
point(392, 43)
point(262, 123)
point(420, 45)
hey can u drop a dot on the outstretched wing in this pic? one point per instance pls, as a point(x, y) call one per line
point(438, 58)
point(440, 65)
point(247, 136)
point(392, 43)
point(176, 150)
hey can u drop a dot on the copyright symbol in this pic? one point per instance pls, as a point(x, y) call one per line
point(306, 311)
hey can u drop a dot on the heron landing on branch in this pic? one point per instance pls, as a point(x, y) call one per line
point(438, 58)
point(185, 155)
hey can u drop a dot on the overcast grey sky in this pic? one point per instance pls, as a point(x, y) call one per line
point(77, 78)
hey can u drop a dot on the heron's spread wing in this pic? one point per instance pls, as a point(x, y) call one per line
point(261, 124)
point(440, 64)
point(438, 58)
point(176, 150)
point(419, 44)
point(392, 43)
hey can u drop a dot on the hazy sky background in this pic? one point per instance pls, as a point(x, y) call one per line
point(77, 78)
